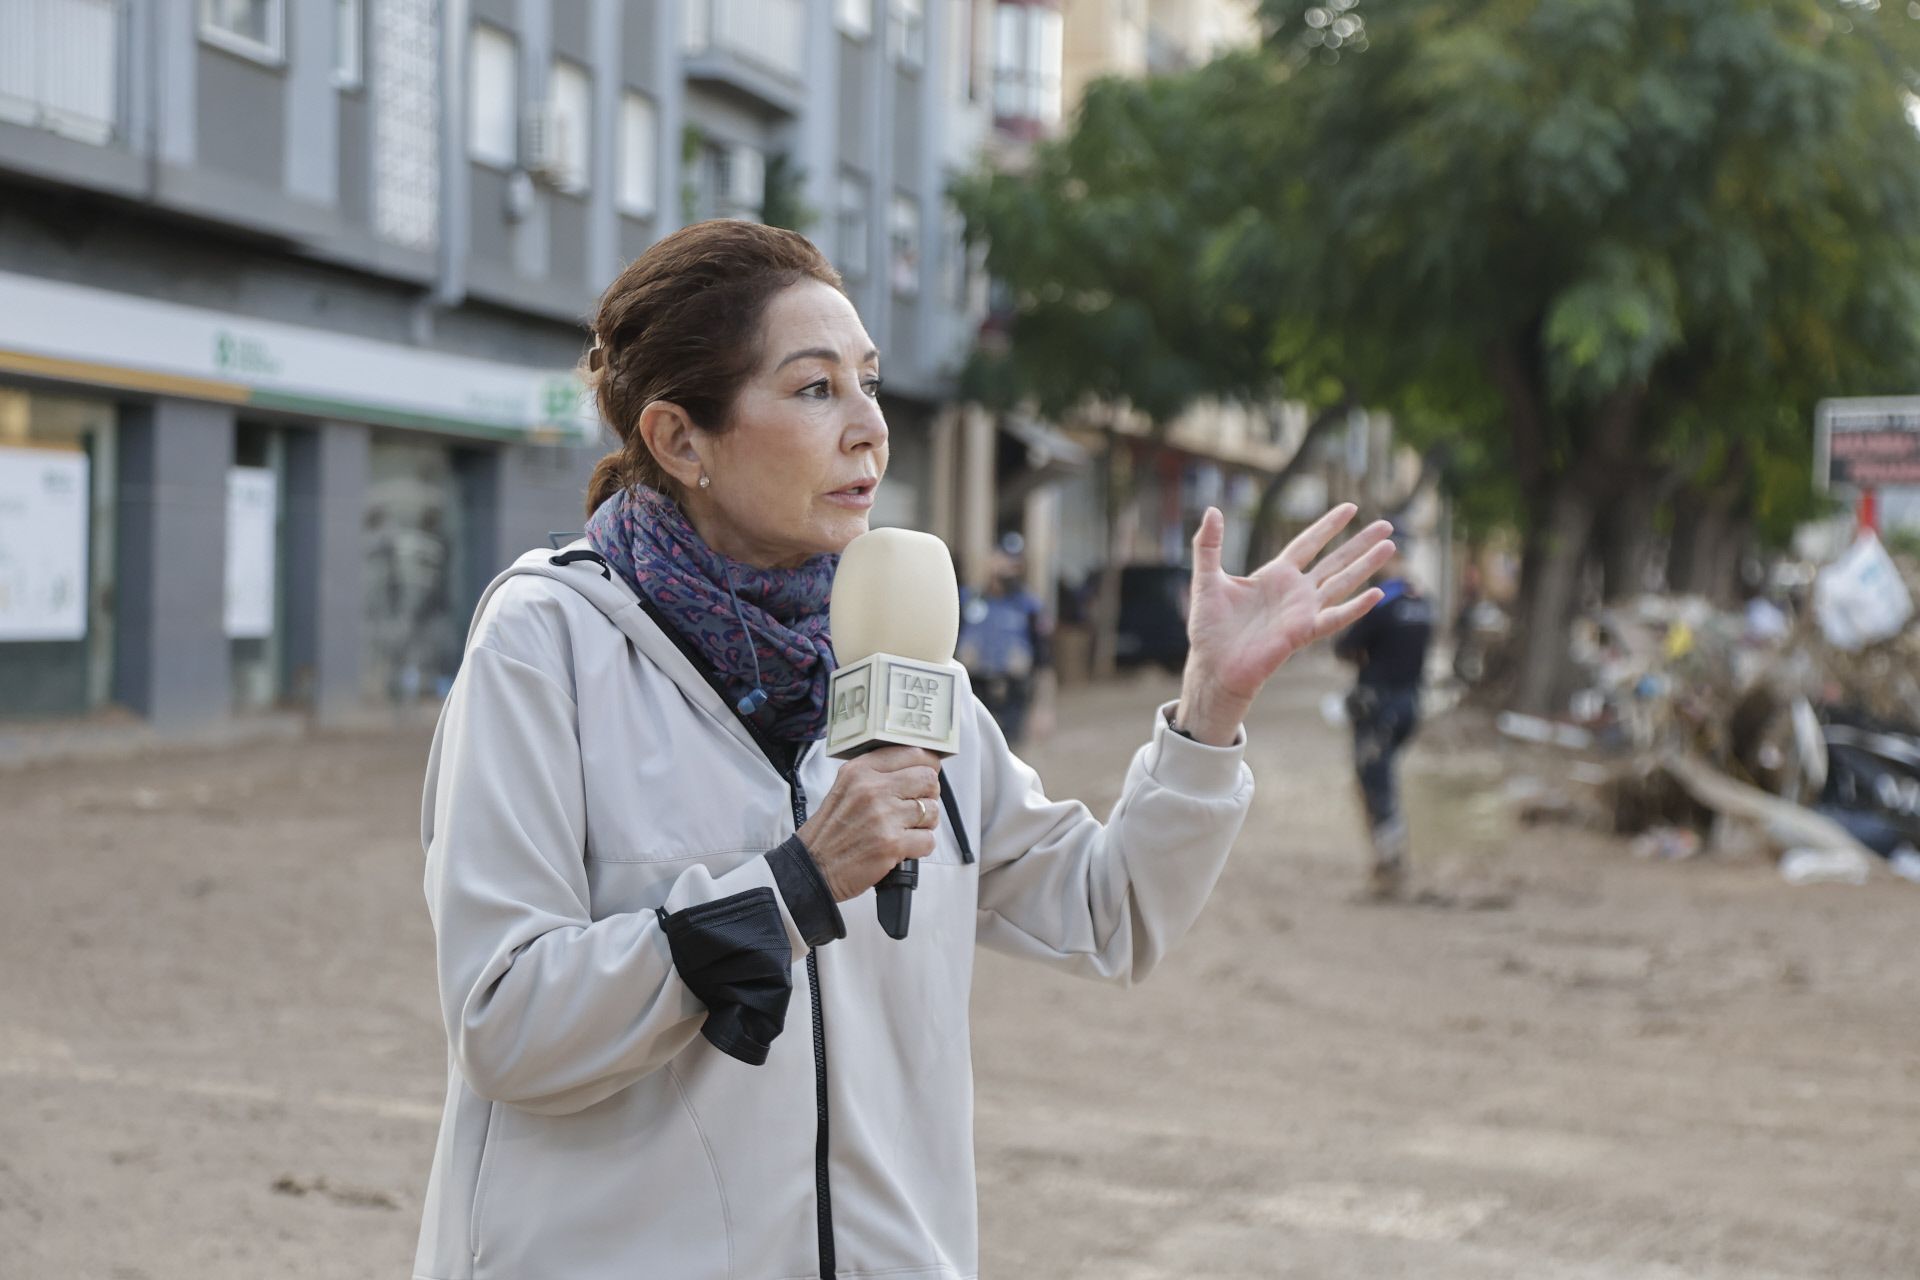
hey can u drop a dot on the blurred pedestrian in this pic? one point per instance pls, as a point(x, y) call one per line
point(1005, 640)
point(1389, 646)
point(637, 849)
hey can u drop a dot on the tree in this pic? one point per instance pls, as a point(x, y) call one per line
point(1613, 251)
point(1133, 249)
point(1657, 230)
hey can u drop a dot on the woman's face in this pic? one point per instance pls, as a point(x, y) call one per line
point(795, 474)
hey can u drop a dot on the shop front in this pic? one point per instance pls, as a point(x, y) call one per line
point(204, 514)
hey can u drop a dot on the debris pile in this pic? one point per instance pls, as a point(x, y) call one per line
point(1797, 731)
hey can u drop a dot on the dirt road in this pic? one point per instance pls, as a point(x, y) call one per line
point(220, 1054)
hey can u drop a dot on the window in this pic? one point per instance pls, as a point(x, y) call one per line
point(61, 68)
point(739, 181)
point(639, 154)
point(346, 44)
point(570, 109)
point(854, 229)
point(253, 28)
point(905, 265)
point(1026, 63)
point(909, 31)
point(492, 97)
point(856, 17)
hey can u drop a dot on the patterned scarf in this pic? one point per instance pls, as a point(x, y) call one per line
point(645, 536)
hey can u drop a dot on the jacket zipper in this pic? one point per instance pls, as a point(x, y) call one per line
point(822, 1192)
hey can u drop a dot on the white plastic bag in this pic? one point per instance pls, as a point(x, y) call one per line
point(1859, 599)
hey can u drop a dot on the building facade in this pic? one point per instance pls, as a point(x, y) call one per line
point(292, 293)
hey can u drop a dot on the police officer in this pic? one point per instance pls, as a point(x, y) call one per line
point(1389, 645)
point(1005, 640)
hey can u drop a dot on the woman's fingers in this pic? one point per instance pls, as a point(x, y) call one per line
point(1314, 538)
point(1351, 550)
point(1207, 540)
point(1355, 575)
point(1344, 616)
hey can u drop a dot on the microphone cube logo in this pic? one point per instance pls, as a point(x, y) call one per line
point(919, 701)
point(885, 699)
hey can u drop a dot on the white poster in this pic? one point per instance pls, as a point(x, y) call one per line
point(43, 544)
point(250, 552)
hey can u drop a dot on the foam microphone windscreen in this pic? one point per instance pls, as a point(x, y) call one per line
point(895, 592)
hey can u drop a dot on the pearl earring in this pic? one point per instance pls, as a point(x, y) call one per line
point(705, 481)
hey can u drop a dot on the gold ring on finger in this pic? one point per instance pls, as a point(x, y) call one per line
point(924, 812)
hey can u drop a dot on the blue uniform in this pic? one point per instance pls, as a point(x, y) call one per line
point(1390, 645)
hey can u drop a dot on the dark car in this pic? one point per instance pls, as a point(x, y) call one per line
point(1153, 616)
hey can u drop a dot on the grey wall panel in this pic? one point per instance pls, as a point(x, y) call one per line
point(907, 111)
point(856, 117)
point(572, 32)
point(327, 473)
point(126, 250)
point(310, 150)
point(901, 344)
point(637, 45)
point(177, 59)
point(635, 235)
point(242, 117)
point(173, 656)
point(491, 233)
point(356, 159)
point(567, 259)
point(727, 120)
point(497, 13)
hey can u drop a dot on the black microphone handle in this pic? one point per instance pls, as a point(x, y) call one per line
point(893, 897)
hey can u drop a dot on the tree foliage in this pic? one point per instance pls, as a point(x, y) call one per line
point(1605, 247)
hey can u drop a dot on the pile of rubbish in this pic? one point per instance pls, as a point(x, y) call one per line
point(1794, 729)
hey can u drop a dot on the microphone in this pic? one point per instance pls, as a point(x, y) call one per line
point(894, 614)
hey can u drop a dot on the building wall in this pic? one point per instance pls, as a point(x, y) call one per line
point(262, 191)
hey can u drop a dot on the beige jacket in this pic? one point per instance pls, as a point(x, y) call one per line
point(587, 791)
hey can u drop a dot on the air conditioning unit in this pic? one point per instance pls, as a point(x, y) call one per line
point(742, 179)
point(542, 148)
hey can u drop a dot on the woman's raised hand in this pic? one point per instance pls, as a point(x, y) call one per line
point(1239, 630)
point(881, 810)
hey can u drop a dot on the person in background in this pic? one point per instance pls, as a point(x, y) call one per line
point(1389, 646)
point(1005, 640)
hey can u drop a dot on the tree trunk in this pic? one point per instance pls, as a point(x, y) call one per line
point(1262, 539)
point(1626, 544)
point(1106, 600)
point(1708, 542)
point(1549, 600)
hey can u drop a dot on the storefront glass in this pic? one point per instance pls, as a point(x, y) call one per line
point(416, 569)
point(57, 480)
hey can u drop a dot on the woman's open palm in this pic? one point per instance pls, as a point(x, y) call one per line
point(1241, 629)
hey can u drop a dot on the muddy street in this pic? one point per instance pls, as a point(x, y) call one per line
point(221, 1056)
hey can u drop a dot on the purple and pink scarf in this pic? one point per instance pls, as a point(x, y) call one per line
point(645, 536)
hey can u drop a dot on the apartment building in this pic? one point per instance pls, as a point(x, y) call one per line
point(292, 293)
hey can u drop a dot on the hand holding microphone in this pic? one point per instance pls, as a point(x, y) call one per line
point(895, 694)
point(881, 812)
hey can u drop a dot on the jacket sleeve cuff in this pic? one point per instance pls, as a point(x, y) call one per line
point(804, 890)
point(1192, 767)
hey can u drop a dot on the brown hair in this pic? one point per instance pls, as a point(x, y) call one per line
point(682, 324)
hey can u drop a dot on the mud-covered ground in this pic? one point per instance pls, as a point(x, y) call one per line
point(220, 1054)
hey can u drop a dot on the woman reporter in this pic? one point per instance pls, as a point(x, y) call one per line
point(637, 852)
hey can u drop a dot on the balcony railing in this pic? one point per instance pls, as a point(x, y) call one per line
point(770, 34)
point(60, 65)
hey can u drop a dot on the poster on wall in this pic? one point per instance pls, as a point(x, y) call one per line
point(43, 544)
point(251, 503)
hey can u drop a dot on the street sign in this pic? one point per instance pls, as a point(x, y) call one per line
point(1866, 444)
